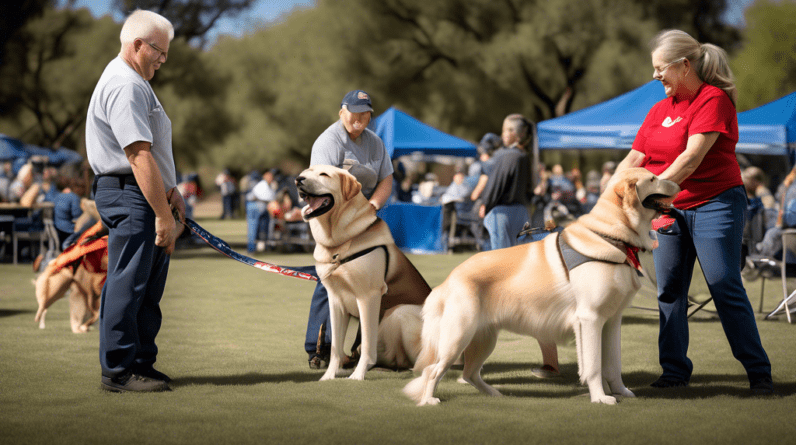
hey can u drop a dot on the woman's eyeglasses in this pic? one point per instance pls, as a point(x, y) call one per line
point(661, 70)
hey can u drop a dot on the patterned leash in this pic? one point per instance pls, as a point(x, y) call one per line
point(222, 247)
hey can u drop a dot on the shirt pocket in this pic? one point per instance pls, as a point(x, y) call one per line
point(160, 124)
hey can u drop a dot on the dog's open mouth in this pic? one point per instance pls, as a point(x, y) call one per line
point(658, 202)
point(317, 205)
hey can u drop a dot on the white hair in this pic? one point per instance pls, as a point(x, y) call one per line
point(143, 24)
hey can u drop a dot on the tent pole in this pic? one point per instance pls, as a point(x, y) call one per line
point(535, 157)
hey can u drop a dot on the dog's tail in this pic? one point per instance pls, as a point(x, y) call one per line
point(432, 317)
point(429, 353)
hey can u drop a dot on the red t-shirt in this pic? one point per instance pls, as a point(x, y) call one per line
point(664, 134)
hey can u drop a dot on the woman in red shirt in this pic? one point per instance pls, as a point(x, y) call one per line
point(690, 138)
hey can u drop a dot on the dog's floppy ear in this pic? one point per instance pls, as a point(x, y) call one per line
point(631, 194)
point(349, 186)
point(625, 191)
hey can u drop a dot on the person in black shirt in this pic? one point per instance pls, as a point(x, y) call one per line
point(507, 190)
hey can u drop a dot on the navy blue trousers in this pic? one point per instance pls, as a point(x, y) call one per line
point(130, 316)
point(319, 314)
point(712, 234)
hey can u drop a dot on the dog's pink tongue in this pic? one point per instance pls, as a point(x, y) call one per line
point(312, 204)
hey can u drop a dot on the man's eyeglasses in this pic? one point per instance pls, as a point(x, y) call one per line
point(661, 70)
point(155, 47)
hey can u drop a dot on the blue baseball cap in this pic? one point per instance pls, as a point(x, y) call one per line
point(357, 101)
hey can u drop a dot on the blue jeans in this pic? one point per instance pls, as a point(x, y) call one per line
point(504, 223)
point(130, 316)
point(228, 202)
point(319, 314)
point(711, 233)
point(252, 221)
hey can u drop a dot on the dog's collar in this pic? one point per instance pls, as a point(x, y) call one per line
point(361, 253)
point(572, 258)
point(631, 252)
point(337, 262)
point(620, 243)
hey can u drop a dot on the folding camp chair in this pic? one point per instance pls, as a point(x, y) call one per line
point(788, 303)
point(465, 227)
point(293, 234)
point(46, 234)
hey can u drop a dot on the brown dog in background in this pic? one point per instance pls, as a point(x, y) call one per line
point(82, 267)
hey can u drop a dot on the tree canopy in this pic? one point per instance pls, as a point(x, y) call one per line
point(52, 74)
point(261, 100)
point(192, 19)
point(766, 65)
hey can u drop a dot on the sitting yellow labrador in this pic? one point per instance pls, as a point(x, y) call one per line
point(365, 273)
point(578, 280)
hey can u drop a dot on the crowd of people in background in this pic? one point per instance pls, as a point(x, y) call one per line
point(37, 185)
point(767, 215)
point(560, 196)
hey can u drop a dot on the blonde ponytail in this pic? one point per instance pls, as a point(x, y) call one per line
point(714, 69)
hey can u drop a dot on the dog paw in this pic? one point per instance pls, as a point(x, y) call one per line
point(492, 392)
point(429, 402)
point(606, 400)
point(624, 392)
point(356, 376)
point(327, 376)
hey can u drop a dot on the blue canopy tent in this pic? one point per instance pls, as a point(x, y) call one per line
point(610, 124)
point(766, 130)
point(18, 152)
point(13, 150)
point(416, 228)
point(403, 135)
point(769, 128)
point(57, 157)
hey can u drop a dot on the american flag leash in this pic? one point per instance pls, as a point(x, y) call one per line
point(222, 247)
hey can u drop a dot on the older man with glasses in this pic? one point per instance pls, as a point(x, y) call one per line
point(128, 144)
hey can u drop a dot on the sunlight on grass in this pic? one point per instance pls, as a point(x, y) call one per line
point(232, 340)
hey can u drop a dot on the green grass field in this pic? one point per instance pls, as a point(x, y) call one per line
point(232, 340)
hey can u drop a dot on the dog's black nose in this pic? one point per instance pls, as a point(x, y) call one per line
point(299, 180)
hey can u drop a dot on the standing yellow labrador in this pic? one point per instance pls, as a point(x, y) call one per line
point(365, 273)
point(82, 267)
point(579, 280)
